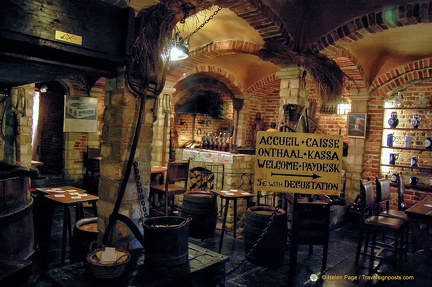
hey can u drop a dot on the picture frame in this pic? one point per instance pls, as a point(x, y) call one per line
point(356, 125)
point(80, 114)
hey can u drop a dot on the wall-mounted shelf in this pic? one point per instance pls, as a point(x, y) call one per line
point(408, 129)
point(406, 148)
point(408, 166)
point(410, 108)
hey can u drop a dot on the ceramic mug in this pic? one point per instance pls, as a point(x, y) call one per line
point(390, 139)
point(416, 120)
point(414, 180)
point(428, 143)
point(394, 177)
point(393, 158)
point(408, 141)
point(414, 161)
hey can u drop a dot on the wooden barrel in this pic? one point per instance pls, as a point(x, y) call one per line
point(16, 219)
point(198, 206)
point(84, 233)
point(270, 252)
point(166, 240)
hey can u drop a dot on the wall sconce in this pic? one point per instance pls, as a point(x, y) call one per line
point(343, 107)
point(179, 50)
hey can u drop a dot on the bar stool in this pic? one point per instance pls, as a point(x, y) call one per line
point(230, 195)
point(374, 224)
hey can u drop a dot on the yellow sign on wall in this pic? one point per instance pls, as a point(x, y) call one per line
point(298, 163)
point(68, 37)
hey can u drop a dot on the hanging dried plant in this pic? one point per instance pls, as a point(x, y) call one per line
point(324, 71)
point(154, 26)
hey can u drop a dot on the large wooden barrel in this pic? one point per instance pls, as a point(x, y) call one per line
point(199, 207)
point(16, 219)
point(84, 233)
point(166, 241)
point(271, 250)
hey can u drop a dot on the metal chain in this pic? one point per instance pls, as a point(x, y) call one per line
point(261, 237)
point(204, 23)
point(141, 197)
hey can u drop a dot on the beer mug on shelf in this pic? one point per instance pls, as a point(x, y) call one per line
point(416, 120)
point(390, 139)
point(428, 143)
point(393, 121)
point(414, 161)
point(393, 158)
point(414, 180)
point(408, 141)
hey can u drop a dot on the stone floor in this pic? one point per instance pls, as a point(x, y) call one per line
point(339, 272)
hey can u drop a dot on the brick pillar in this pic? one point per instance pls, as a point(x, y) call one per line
point(291, 90)
point(119, 128)
point(240, 122)
point(26, 123)
point(160, 151)
point(356, 150)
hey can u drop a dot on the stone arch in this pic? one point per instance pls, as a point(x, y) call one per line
point(207, 82)
point(265, 86)
point(211, 51)
point(402, 76)
point(375, 22)
point(216, 73)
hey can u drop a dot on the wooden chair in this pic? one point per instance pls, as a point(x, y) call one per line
point(310, 226)
point(402, 205)
point(176, 172)
point(92, 161)
point(372, 224)
point(383, 197)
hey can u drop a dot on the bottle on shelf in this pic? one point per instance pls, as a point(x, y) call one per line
point(204, 142)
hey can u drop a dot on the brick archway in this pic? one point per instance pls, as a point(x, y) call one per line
point(400, 77)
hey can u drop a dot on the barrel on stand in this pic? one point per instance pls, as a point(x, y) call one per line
point(84, 233)
point(16, 219)
point(271, 250)
point(166, 241)
point(199, 207)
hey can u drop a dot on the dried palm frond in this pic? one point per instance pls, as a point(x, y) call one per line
point(155, 26)
point(324, 71)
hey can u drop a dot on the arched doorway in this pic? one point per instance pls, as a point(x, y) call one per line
point(49, 137)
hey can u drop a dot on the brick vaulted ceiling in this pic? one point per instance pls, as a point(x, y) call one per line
point(367, 38)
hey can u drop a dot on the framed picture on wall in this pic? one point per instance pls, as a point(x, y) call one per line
point(357, 125)
point(80, 114)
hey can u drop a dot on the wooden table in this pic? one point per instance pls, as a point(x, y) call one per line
point(67, 196)
point(418, 215)
point(234, 195)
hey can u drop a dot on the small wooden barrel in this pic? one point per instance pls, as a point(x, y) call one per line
point(16, 218)
point(270, 252)
point(199, 207)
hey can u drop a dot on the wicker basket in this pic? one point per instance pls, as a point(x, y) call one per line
point(109, 269)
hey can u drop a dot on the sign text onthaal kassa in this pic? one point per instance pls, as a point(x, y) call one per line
point(298, 163)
